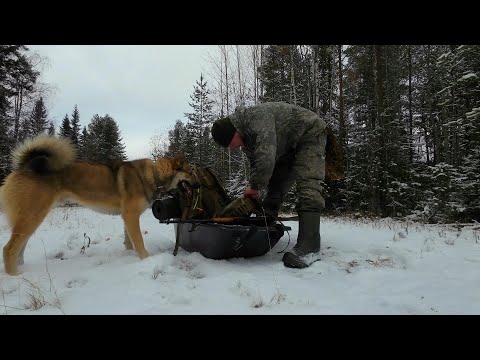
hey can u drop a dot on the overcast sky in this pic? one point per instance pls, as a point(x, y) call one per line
point(145, 88)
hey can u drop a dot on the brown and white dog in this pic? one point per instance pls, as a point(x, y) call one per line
point(46, 172)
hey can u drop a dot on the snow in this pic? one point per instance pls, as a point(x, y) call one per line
point(366, 267)
point(469, 76)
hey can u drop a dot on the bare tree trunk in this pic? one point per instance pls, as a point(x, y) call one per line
point(311, 74)
point(225, 63)
point(228, 102)
point(380, 144)
point(452, 130)
point(222, 97)
point(261, 65)
point(17, 112)
point(217, 76)
point(314, 88)
point(332, 67)
point(410, 110)
point(293, 92)
point(436, 140)
point(255, 84)
point(240, 87)
point(341, 115)
point(224, 103)
point(200, 135)
point(427, 145)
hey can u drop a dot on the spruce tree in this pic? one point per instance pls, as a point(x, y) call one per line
point(83, 145)
point(51, 129)
point(65, 129)
point(24, 130)
point(104, 142)
point(176, 139)
point(38, 120)
point(275, 73)
point(17, 80)
point(75, 126)
point(197, 140)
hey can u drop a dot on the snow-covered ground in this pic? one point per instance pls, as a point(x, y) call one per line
point(367, 267)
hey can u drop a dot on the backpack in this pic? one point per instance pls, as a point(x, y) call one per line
point(204, 201)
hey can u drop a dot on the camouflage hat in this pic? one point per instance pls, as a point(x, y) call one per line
point(223, 131)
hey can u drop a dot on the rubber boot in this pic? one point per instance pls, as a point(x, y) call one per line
point(307, 249)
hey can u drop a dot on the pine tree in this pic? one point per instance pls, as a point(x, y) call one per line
point(17, 80)
point(274, 73)
point(24, 130)
point(176, 139)
point(104, 142)
point(462, 109)
point(38, 120)
point(201, 117)
point(51, 129)
point(65, 129)
point(470, 170)
point(83, 145)
point(75, 126)
point(17, 77)
point(359, 102)
point(396, 147)
point(424, 86)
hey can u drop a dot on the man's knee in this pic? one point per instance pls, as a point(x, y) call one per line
point(310, 199)
point(310, 205)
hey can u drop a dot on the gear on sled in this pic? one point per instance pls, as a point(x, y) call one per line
point(209, 221)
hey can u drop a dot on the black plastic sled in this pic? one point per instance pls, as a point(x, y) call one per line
point(219, 241)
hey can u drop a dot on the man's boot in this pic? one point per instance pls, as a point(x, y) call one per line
point(307, 249)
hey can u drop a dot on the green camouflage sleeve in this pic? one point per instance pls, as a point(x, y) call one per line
point(262, 136)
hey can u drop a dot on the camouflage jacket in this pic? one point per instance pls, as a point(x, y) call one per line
point(271, 130)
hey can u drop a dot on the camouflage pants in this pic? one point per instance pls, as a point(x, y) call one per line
point(304, 166)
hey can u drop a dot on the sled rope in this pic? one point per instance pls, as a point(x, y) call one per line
point(271, 255)
point(177, 237)
point(279, 252)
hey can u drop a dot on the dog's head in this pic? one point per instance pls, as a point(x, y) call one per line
point(180, 170)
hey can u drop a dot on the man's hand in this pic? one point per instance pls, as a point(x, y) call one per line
point(250, 193)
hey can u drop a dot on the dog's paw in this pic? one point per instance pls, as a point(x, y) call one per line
point(143, 255)
point(128, 246)
point(13, 271)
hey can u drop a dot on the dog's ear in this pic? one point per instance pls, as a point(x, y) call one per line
point(179, 161)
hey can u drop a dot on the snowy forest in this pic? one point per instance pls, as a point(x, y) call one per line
point(407, 118)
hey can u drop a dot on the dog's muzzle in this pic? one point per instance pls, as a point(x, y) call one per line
point(186, 188)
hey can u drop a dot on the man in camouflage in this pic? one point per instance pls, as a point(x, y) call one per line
point(284, 144)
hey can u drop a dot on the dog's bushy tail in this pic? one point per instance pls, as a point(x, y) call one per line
point(43, 154)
